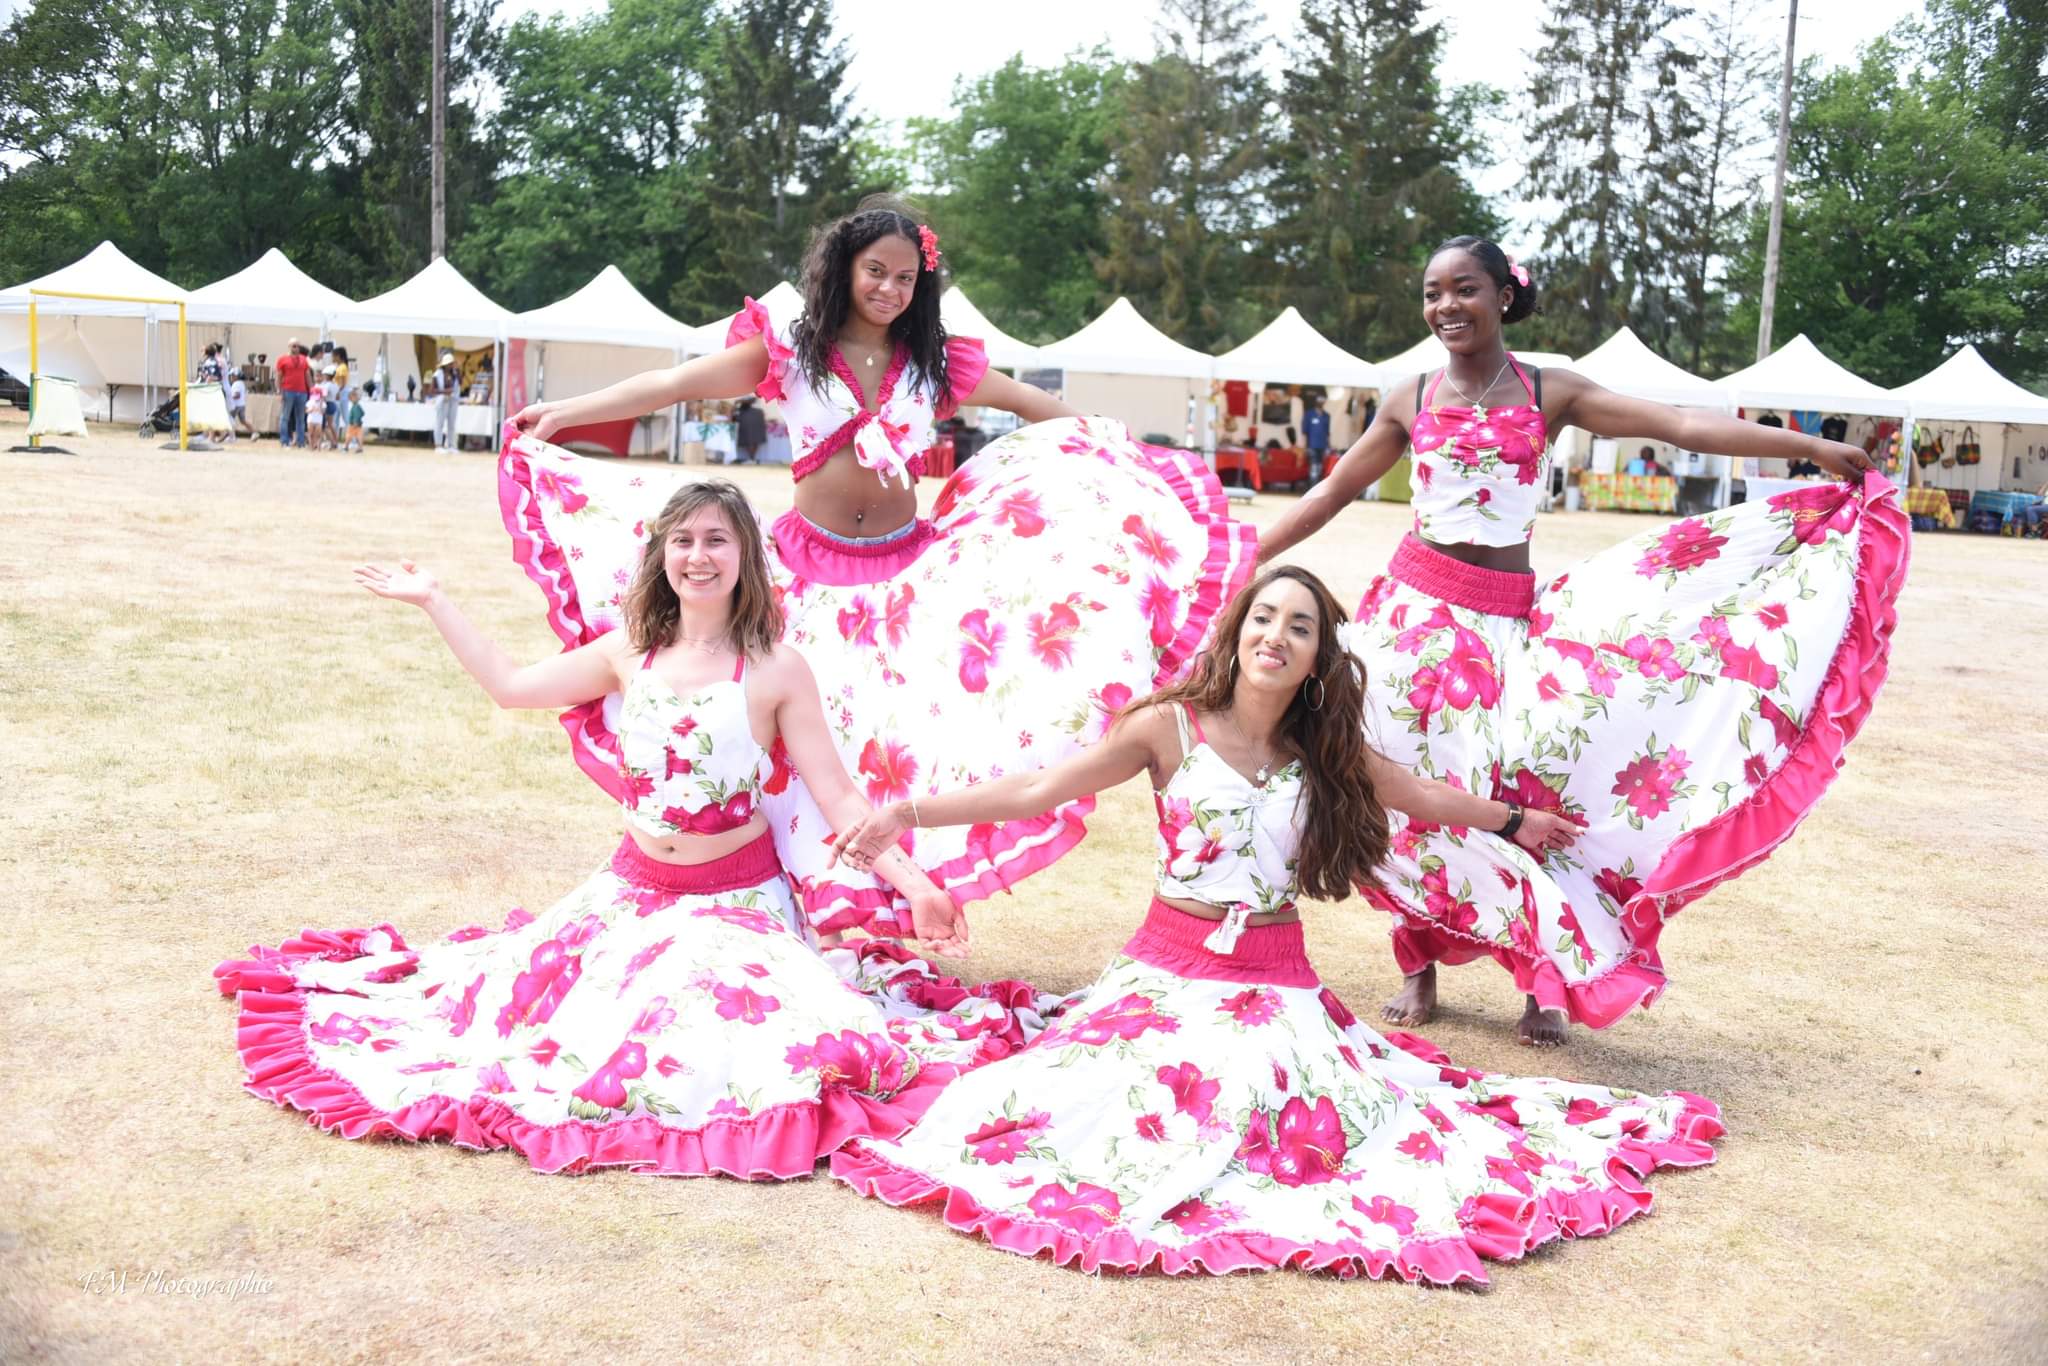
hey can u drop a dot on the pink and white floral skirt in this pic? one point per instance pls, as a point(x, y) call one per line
point(661, 1018)
point(1064, 570)
point(1192, 1114)
point(1686, 696)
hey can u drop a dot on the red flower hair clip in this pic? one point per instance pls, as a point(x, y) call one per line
point(928, 243)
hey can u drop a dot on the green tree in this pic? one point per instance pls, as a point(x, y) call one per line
point(1019, 172)
point(1914, 221)
point(778, 112)
point(1185, 187)
point(1365, 176)
point(1595, 89)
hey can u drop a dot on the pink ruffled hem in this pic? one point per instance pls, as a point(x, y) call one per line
point(1740, 837)
point(753, 321)
point(966, 366)
point(1497, 1227)
point(779, 1143)
point(1232, 555)
point(810, 554)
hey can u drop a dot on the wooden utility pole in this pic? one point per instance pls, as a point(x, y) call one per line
point(1766, 315)
point(440, 131)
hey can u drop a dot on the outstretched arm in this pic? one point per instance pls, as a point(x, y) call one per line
point(1370, 457)
point(1426, 799)
point(800, 721)
point(998, 390)
point(562, 680)
point(731, 373)
point(1138, 742)
point(1579, 402)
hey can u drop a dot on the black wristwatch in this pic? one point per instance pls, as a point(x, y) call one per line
point(1507, 832)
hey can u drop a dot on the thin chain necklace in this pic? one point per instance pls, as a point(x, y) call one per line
point(709, 647)
point(1479, 409)
point(1265, 769)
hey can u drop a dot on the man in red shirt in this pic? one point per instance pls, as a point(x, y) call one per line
point(293, 383)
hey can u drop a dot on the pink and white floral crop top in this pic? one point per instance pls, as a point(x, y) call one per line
point(892, 437)
point(690, 762)
point(1224, 839)
point(1478, 471)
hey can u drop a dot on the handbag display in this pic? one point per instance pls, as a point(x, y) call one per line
point(1968, 452)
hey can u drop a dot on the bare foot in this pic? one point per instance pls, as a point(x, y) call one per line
point(1417, 1001)
point(1540, 1028)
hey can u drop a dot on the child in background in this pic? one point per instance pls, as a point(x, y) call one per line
point(237, 392)
point(316, 417)
point(355, 418)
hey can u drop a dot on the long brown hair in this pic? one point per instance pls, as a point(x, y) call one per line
point(1344, 828)
point(828, 294)
point(650, 606)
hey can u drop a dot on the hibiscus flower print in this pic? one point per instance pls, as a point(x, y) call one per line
point(1382, 1209)
point(1087, 1209)
point(1422, 1146)
point(980, 648)
point(1004, 1139)
point(1052, 635)
point(606, 1086)
point(494, 1080)
point(1253, 1006)
point(1150, 543)
point(1161, 603)
point(1649, 784)
point(1685, 544)
point(1303, 1146)
point(1194, 1218)
point(1151, 1128)
point(338, 1029)
point(536, 993)
point(1022, 513)
point(889, 768)
point(744, 1004)
point(1193, 1094)
point(1124, 1019)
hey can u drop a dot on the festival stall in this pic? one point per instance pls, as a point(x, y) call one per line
point(1979, 434)
point(708, 429)
point(595, 337)
point(112, 347)
point(1798, 387)
point(1123, 367)
point(257, 312)
point(436, 310)
point(1265, 388)
point(1601, 468)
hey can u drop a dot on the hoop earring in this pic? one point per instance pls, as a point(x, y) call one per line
point(1321, 693)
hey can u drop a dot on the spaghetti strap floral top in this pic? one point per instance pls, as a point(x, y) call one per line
point(1478, 471)
point(1226, 840)
point(824, 419)
point(690, 762)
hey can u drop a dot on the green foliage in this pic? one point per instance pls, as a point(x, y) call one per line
point(1365, 175)
point(1020, 171)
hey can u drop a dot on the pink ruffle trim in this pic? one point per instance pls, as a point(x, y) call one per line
point(1232, 555)
point(1498, 1227)
point(781, 1142)
point(1737, 839)
point(810, 554)
point(753, 321)
point(966, 365)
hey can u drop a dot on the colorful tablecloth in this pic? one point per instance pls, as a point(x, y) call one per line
point(1629, 492)
point(1926, 502)
point(2004, 502)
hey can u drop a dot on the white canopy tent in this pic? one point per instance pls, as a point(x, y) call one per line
point(963, 319)
point(116, 363)
point(1625, 365)
point(1798, 376)
point(261, 309)
point(782, 302)
point(1964, 391)
point(437, 302)
point(1102, 360)
point(602, 333)
point(1289, 350)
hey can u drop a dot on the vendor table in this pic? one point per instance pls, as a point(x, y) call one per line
point(2006, 503)
point(1243, 459)
point(1926, 502)
point(1629, 492)
point(471, 419)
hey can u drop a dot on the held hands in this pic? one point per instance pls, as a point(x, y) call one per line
point(1844, 461)
point(407, 583)
point(1544, 831)
point(868, 838)
point(540, 420)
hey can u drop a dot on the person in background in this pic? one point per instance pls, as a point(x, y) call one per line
point(751, 432)
point(355, 419)
point(237, 391)
point(209, 365)
point(316, 416)
point(1315, 434)
point(294, 379)
point(1645, 461)
point(444, 390)
point(332, 392)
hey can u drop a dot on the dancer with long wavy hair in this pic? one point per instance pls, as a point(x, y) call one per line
point(1685, 697)
point(1207, 1105)
point(1065, 569)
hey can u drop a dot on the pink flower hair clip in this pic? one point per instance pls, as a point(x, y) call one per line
point(928, 243)
point(1520, 273)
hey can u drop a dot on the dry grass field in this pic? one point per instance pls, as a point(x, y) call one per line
point(212, 739)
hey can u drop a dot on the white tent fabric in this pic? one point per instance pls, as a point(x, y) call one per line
point(1625, 365)
point(1797, 375)
point(1964, 388)
point(103, 270)
point(963, 319)
point(608, 310)
point(782, 302)
point(437, 302)
point(1429, 354)
point(1121, 342)
point(272, 291)
point(1289, 349)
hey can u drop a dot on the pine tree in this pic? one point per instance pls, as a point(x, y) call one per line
point(1597, 74)
point(1365, 178)
point(778, 112)
point(1185, 191)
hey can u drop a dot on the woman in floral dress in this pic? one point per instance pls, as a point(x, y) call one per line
point(1685, 697)
point(667, 1015)
point(1207, 1106)
point(1066, 569)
